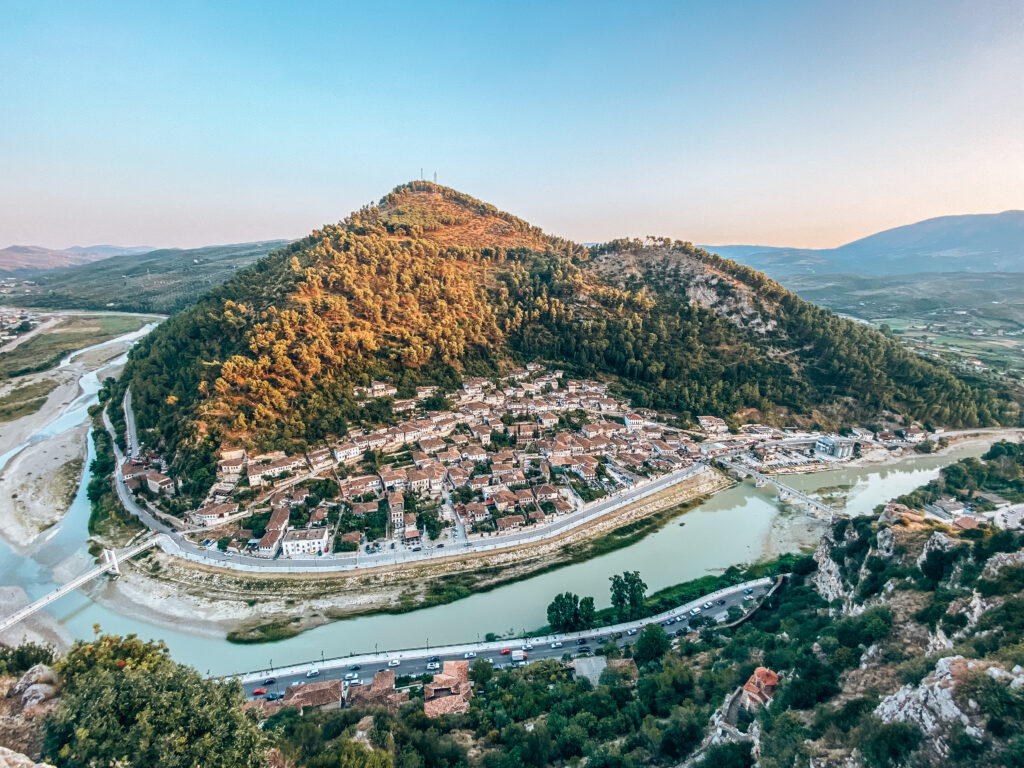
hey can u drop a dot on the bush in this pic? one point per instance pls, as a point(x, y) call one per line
point(886, 745)
point(19, 660)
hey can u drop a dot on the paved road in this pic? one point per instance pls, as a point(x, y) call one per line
point(414, 662)
point(129, 418)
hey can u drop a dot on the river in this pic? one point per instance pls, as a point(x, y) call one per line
point(734, 526)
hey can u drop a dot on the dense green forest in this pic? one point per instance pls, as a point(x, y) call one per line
point(431, 285)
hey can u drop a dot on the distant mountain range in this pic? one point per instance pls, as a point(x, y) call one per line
point(991, 242)
point(34, 257)
point(164, 280)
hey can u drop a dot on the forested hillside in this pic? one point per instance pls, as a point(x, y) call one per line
point(162, 281)
point(431, 285)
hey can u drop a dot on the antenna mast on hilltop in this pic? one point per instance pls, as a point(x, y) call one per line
point(421, 174)
point(435, 177)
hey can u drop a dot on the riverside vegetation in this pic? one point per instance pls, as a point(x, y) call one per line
point(431, 285)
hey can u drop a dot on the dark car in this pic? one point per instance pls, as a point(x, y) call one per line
point(722, 601)
point(434, 658)
point(581, 641)
point(270, 681)
point(354, 668)
point(272, 696)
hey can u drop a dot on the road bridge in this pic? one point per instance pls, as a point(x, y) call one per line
point(109, 563)
point(786, 493)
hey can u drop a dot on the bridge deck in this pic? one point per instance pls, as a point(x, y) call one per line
point(110, 563)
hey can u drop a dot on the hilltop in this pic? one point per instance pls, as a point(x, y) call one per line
point(431, 285)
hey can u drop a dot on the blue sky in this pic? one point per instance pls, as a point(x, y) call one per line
point(787, 123)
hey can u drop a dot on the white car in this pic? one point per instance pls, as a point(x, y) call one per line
point(527, 647)
point(394, 663)
point(556, 644)
point(707, 605)
point(313, 673)
point(351, 676)
point(630, 632)
point(469, 655)
point(694, 611)
point(433, 665)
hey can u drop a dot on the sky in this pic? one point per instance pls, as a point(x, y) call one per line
point(804, 124)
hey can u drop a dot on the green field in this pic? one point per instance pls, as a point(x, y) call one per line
point(25, 400)
point(974, 321)
point(45, 350)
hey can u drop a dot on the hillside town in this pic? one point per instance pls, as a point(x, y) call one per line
point(506, 455)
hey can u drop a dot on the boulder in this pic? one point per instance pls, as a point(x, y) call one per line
point(12, 759)
point(938, 541)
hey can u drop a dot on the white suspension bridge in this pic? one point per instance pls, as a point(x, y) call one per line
point(109, 563)
point(786, 493)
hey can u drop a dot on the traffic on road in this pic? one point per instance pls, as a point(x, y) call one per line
point(360, 670)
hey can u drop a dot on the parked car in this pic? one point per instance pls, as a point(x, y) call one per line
point(469, 655)
point(630, 632)
point(354, 668)
point(351, 675)
point(506, 651)
point(707, 605)
point(722, 601)
point(581, 641)
point(394, 663)
point(258, 691)
point(272, 696)
point(434, 658)
point(748, 591)
point(527, 647)
point(556, 644)
point(270, 681)
point(694, 611)
point(357, 681)
point(313, 673)
point(432, 665)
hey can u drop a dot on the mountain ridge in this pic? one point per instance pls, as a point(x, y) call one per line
point(984, 242)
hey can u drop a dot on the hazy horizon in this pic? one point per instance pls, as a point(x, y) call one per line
point(801, 125)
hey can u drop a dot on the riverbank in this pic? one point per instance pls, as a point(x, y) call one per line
point(38, 485)
point(253, 608)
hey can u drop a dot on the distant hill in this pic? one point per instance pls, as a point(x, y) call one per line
point(992, 242)
point(106, 251)
point(432, 285)
point(161, 281)
point(19, 258)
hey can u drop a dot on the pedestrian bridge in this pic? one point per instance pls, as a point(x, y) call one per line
point(786, 493)
point(109, 563)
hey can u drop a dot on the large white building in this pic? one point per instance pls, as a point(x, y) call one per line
point(307, 541)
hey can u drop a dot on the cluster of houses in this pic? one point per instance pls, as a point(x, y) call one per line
point(148, 470)
point(14, 323)
point(448, 693)
point(508, 453)
point(983, 508)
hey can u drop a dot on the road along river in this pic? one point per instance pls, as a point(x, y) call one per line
point(738, 525)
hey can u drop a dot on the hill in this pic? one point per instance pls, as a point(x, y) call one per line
point(23, 258)
point(432, 285)
point(162, 281)
point(970, 243)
